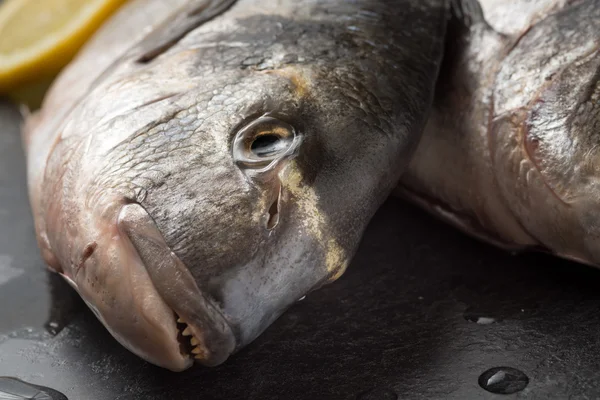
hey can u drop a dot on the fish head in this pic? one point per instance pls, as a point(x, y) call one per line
point(544, 134)
point(202, 202)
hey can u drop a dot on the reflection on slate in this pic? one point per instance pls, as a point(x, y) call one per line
point(503, 380)
point(422, 313)
point(16, 389)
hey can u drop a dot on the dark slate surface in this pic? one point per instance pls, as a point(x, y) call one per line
point(421, 313)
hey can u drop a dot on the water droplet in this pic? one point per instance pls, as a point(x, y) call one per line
point(53, 327)
point(18, 389)
point(480, 320)
point(503, 380)
point(478, 317)
point(380, 393)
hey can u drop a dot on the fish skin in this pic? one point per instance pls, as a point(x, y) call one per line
point(516, 115)
point(147, 195)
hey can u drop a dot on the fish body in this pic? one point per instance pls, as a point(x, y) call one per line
point(514, 129)
point(202, 165)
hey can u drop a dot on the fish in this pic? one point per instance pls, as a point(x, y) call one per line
point(202, 165)
point(17, 389)
point(514, 129)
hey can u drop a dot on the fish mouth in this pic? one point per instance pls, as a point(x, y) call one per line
point(209, 345)
point(192, 345)
point(203, 332)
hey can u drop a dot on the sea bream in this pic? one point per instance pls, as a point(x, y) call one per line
point(515, 128)
point(202, 165)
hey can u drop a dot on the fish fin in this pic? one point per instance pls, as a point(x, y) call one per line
point(29, 122)
point(17, 389)
point(174, 28)
point(188, 18)
point(465, 223)
point(467, 12)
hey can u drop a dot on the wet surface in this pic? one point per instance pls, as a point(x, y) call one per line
point(503, 380)
point(405, 321)
point(23, 285)
point(378, 394)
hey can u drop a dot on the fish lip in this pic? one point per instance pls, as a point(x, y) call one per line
point(221, 333)
point(179, 362)
point(176, 287)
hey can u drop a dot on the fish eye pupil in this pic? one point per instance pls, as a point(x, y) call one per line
point(267, 144)
point(264, 141)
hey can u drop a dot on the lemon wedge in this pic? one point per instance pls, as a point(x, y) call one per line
point(39, 37)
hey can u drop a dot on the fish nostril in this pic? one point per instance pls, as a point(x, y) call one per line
point(274, 210)
point(273, 214)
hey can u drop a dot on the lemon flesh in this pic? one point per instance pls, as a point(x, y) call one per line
point(39, 37)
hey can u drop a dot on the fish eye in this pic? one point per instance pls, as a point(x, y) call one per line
point(262, 141)
point(268, 144)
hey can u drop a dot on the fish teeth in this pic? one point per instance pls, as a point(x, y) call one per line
point(197, 350)
point(187, 331)
point(180, 320)
point(194, 341)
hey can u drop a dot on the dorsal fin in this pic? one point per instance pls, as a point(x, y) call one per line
point(467, 13)
point(191, 16)
point(168, 33)
point(467, 25)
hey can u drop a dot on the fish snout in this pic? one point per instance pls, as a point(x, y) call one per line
point(145, 296)
point(211, 339)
